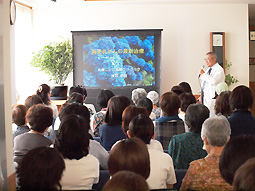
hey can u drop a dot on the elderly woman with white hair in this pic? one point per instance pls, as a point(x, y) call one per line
point(138, 93)
point(204, 174)
point(154, 97)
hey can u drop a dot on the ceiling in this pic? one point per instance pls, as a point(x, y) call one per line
point(251, 3)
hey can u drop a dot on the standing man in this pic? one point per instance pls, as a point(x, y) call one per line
point(210, 78)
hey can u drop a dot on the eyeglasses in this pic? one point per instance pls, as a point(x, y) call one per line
point(206, 59)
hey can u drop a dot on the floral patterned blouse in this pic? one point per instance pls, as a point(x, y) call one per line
point(204, 174)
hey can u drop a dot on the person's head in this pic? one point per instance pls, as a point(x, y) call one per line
point(195, 116)
point(177, 89)
point(33, 100)
point(241, 98)
point(79, 89)
point(185, 87)
point(75, 98)
point(131, 155)
point(39, 117)
point(116, 106)
point(146, 103)
point(215, 132)
point(210, 59)
point(75, 108)
point(72, 139)
point(222, 105)
point(137, 94)
point(126, 181)
point(129, 113)
point(245, 176)
point(19, 114)
point(186, 99)
point(141, 127)
point(221, 87)
point(44, 92)
point(170, 104)
point(103, 97)
point(41, 169)
point(236, 152)
point(153, 96)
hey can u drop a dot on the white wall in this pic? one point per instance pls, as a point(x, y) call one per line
point(186, 31)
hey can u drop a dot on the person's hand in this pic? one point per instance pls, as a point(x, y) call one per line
point(202, 72)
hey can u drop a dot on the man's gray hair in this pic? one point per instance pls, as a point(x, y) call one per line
point(138, 93)
point(213, 54)
point(216, 130)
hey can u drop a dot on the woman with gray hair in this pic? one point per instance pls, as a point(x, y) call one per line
point(154, 97)
point(138, 93)
point(204, 174)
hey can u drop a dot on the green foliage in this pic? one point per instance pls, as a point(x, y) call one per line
point(55, 59)
point(229, 79)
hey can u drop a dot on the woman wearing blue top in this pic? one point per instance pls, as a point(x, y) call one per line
point(111, 131)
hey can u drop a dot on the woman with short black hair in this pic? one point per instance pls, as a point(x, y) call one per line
point(236, 152)
point(82, 169)
point(111, 131)
point(40, 118)
point(41, 169)
point(241, 121)
point(98, 118)
point(187, 147)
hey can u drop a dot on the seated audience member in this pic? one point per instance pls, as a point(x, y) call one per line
point(95, 148)
point(41, 169)
point(111, 130)
point(204, 174)
point(19, 118)
point(186, 99)
point(75, 97)
point(137, 94)
point(98, 118)
point(82, 169)
point(221, 87)
point(33, 100)
point(126, 181)
point(170, 104)
point(244, 179)
point(236, 152)
point(187, 147)
point(44, 92)
point(82, 90)
point(147, 104)
point(129, 113)
point(177, 89)
point(131, 155)
point(222, 106)
point(241, 121)
point(162, 173)
point(154, 97)
point(40, 118)
point(185, 87)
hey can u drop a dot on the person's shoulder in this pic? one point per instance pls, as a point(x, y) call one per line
point(163, 157)
point(181, 137)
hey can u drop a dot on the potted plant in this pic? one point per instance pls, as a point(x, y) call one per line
point(229, 79)
point(56, 60)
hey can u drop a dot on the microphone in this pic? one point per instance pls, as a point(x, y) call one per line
point(202, 67)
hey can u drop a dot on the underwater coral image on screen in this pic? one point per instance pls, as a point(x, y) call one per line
point(118, 61)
